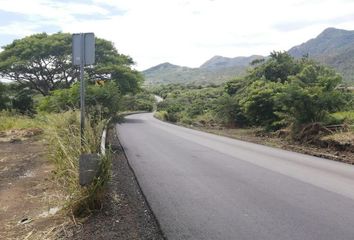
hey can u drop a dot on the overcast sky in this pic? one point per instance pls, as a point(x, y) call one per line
point(183, 32)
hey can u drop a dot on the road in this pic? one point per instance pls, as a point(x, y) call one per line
point(204, 186)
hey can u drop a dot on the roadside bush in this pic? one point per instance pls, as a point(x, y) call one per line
point(105, 100)
point(61, 100)
point(102, 100)
point(258, 104)
point(139, 102)
point(228, 111)
point(162, 115)
point(207, 119)
point(310, 96)
point(173, 108)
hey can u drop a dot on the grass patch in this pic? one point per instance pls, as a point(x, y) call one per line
point(10, 120)
point(345, 117)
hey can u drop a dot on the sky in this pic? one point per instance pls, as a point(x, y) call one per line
point(182, 32)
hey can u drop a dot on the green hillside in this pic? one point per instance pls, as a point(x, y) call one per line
point(334, 47)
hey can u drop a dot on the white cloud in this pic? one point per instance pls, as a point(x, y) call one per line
point(189, 32)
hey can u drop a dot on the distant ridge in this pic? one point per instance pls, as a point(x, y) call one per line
point(225, 62)
point(216, 70)
point(333, 47)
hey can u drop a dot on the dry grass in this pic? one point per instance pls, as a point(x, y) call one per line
point(341, 137)
point(63, 134)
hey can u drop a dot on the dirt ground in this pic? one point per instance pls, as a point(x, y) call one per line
point(29, 198)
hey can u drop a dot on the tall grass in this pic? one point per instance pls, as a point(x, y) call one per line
point(63, 134)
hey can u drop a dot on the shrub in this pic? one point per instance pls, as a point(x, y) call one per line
point(258, 104)
point(4, 98)
point(99, 99)
point(23, 102)
point(228, 111)
point(140, 102)
point(162, 115)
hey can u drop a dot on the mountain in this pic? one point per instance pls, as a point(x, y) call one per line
point(216, 70)
point(333, 47)
point(225, 62)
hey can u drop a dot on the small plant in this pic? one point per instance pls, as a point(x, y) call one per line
point(162, 115)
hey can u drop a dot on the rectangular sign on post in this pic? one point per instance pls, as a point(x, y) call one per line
point(83, 53)
point(89, 48)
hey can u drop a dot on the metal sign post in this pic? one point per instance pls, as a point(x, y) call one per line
point(83, 48)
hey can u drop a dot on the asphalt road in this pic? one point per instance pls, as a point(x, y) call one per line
point(203, 186)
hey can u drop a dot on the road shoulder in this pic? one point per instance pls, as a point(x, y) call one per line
point(125, 213)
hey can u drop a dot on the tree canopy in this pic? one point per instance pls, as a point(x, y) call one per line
point(43, 63)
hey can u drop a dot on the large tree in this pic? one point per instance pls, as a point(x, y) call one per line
point(43, 62)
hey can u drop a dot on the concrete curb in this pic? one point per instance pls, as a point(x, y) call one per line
point(103, 141)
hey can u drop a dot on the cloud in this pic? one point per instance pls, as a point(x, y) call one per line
point(287, 26)
point(184, 32)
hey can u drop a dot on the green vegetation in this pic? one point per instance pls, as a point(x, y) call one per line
point(11, 120)
point(281, 92)
point(345, 117)
point(62, 132)
point(99, 99)
point(44, 93)
point(15, 97)
point(63, 135)
point(143, 101)
point(43, 63)
point(188, 105)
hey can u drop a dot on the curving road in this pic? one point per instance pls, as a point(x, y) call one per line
point(203, 186)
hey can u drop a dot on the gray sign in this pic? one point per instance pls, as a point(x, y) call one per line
point(83, 48)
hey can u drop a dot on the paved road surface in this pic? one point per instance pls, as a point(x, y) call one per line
point(203, 186)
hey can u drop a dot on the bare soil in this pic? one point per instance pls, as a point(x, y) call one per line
point(125, 213)
point(29, 198)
